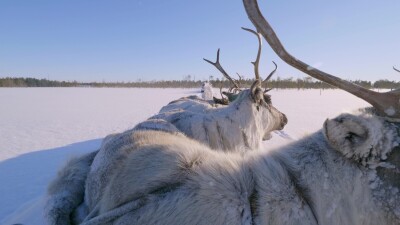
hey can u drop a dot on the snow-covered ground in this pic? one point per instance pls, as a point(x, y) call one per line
point(42, 127)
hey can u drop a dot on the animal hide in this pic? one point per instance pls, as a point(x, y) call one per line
point(163, 177)
point(239, 127)
point(66, 192)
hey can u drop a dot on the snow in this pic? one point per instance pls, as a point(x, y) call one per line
point(42, 127)
point(33, 119)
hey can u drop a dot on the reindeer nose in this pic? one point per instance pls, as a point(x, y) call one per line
point(284, 121)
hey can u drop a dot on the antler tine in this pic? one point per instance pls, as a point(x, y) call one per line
point(272, 73)
point(269, 77)
point(396, 69)
point(240, 77)
point(267, 90)
point(223, 100)
point(386, 104)
point(219, 67)
point(257, 62)
point(239, 82)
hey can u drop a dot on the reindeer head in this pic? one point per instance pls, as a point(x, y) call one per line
point(362, 137)
point(254, 104)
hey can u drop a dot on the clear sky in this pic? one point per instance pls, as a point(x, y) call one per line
point(120, 40)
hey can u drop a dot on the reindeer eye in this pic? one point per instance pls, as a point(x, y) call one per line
point(340, 120)
point(351, 136)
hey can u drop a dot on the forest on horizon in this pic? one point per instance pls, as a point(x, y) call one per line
point(305, 83)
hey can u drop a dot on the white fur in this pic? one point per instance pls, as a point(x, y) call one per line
point(364, 138)
point(222, 128)
point(207, 91)
point(65, 193)
point(241, 126)
point(167, 178)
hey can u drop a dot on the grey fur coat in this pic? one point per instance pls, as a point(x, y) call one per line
point(159, 176)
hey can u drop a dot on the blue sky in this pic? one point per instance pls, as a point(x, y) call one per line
point(158, 39)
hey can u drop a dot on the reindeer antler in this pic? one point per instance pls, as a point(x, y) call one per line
point(269, 77)
point(222, 100)
point(272, 73)
point(256, 63)
point(255, 93)
point(219, 67)
point(386, 104)
point(240, 78)
point(236, 90)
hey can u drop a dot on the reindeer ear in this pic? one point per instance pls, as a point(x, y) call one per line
point(256, 93)
point(366, 139)
point(347, 134)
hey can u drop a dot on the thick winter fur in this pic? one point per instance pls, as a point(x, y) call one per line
point(241, 126)
point(363, 138)
point(225, 128)
point(369, 141)
point(167, 178)
point(191, 103)
point(207, 92)
point(65, 193)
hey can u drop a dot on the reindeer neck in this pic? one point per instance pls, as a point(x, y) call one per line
point(241, 110)
point(239, 122)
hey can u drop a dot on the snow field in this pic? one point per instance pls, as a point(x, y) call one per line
point(40, 128)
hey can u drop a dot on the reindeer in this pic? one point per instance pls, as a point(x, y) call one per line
point(240, 126)
point(346, 173)
point(206, 91)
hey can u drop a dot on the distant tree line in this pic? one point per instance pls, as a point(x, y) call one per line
point(305, 83)
point(33, 82)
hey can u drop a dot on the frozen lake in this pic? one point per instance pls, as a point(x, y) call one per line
point(42, 127)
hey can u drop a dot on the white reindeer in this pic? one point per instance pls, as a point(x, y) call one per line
point(237, 127)
point(207, 91)
point(346, 173)
point(242, 125)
